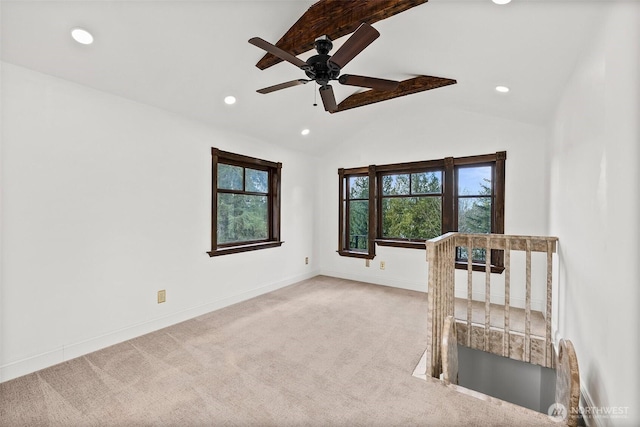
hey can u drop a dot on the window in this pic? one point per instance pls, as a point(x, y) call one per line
point(356, 212)
point(245, 208)
point(407, 203)
point(474, 199)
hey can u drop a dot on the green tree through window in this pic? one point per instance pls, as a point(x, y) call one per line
point(474, 199)
point(412, 205)
point(243, 212)
point(358, 206)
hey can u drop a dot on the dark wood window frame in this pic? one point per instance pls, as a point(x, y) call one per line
point(448, 166)
point(343, 242)
point(273, 197)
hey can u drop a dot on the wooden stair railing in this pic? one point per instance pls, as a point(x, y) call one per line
point(525, 345)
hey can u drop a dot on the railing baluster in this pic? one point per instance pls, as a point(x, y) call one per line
point(527, 319)
point(469, 288)
point(506, 338)
point(451, 295)
point(487, 293)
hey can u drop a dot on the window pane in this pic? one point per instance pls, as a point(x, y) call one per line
point(395, 184)
point(474, 181)
point(242, 218)
point(412, 217)
point(257, 181)
point(474, 215)
point(230, 177)
point(358, 225)
point(426, 183)
point(358, 187)
point(478, 255)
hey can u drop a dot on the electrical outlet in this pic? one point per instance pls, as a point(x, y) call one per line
point(306, 260)
point(381, 265)
point(162, 296)
point(367, 263)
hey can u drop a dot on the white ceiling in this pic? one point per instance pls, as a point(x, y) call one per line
point(186, 56)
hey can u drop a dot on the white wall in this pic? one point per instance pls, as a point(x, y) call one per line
point(594, 209)
point(105, 202)
point(432, 134)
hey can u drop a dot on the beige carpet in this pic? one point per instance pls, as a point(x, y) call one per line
point(322, 352)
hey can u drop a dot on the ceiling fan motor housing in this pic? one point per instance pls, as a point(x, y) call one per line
point(320, 69)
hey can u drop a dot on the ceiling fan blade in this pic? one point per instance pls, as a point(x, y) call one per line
point(275, 50)
point(283, 86)
point(328, 98)
point(370, 82)
point(360, 39)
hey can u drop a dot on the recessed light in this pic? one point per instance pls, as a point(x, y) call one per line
point(502, 89)
point(305, 132)
point(501, 1)
point(82, 36)
point(230, 100)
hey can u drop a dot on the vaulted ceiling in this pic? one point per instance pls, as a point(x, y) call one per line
point(186, 56)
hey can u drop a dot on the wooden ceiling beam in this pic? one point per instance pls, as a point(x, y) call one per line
point(334, 18)
point(406, 87)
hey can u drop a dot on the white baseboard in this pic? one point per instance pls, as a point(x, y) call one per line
point(66, 352)
point(536, 305)
point(586, 401)
point(402, 284)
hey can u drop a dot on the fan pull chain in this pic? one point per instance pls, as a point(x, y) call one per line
point(315, 97)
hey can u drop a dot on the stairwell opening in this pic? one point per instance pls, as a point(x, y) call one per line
point(521, 383)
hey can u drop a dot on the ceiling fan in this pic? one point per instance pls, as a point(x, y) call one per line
point(323, 68)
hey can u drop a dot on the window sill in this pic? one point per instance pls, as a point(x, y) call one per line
point(244, 248)
point(354, 254)
point(462, 265)
point(411, 244)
